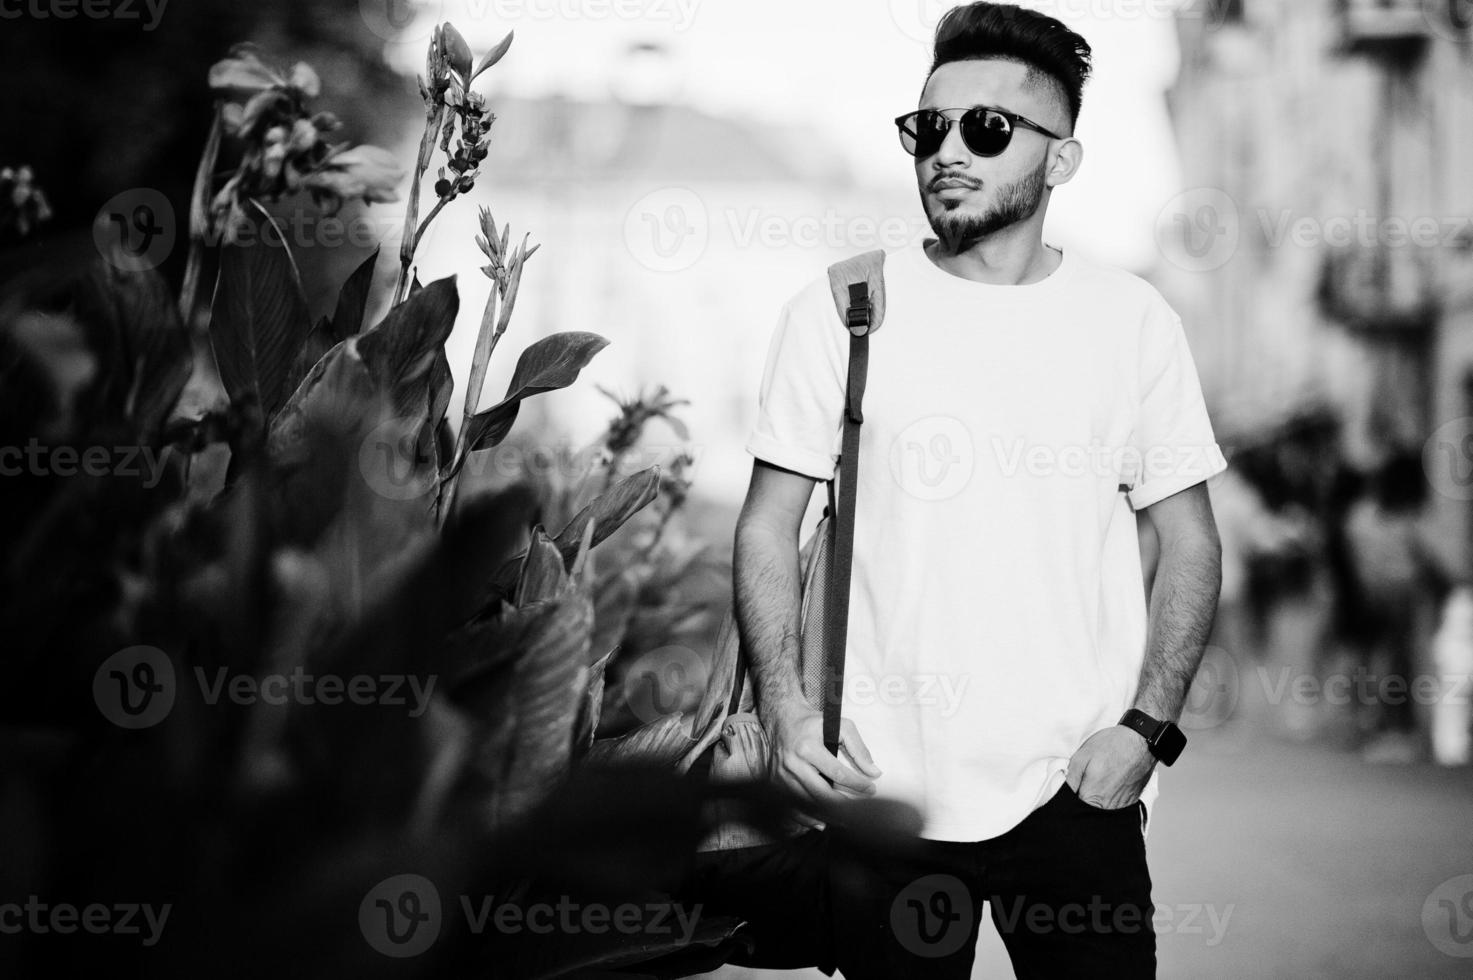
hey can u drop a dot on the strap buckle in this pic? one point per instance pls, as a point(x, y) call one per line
point(857, 317)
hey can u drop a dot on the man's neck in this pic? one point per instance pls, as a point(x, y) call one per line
point(997, 262)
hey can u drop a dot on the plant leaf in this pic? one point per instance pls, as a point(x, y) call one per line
point(543, 573)
point(401, 350)
point(610, 509)
point(547, 365)
point(258, 321)
point(494, 55)
point(347, 317)
point(660, 743)
point(532, 753)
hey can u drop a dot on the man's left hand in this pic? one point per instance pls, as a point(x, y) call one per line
point(1111, 768)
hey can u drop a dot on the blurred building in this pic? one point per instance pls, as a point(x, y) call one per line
point(1325, 254)
point(675, 233)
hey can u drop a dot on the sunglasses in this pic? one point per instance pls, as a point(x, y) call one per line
point(986, 131)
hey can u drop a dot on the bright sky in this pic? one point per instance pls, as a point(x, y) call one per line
point(848, 67)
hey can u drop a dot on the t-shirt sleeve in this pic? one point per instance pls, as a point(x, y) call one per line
point(800, 405)
point(1172, 442)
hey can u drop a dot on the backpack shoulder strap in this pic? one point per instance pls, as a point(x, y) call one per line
point(849, 280)
point(858, 286)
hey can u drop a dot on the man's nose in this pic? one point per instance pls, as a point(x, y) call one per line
point(953, 152)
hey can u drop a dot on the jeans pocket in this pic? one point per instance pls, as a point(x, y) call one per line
point(1081, 801)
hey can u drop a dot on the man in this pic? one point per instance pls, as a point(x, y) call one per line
point(1023, 407)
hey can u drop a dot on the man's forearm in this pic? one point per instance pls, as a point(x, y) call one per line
point(1183, 604)
point(768, 599)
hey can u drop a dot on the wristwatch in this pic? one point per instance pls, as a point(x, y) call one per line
point(1163, 737)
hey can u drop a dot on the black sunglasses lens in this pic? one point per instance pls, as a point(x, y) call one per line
point(985, 132)
point(922, 133)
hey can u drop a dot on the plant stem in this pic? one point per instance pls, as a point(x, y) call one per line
point(433, 119)
point(199, 219)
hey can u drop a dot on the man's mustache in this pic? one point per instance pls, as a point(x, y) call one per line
point(970, 182)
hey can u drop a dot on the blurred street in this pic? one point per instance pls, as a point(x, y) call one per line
point(1279, 860)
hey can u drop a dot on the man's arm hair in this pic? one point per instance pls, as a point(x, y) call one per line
point(1183, 600)
point(767, 581)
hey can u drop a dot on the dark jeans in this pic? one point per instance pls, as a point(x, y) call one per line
point(1067, 888)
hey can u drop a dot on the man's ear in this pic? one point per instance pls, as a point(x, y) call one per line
point(1068, 156)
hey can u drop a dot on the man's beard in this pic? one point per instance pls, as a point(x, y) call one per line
point(957, 228)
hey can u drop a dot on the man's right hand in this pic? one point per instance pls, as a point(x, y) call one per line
point(800, 763)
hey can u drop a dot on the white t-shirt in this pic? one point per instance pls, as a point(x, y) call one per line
point(997, 612)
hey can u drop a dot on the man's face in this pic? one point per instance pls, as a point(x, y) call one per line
point(986, 193)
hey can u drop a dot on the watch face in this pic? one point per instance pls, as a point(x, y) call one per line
point(1170, 743)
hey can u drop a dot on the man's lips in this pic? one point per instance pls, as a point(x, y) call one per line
point(950, 183)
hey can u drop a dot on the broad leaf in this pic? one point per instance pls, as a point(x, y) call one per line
point(543, 573)
point(610, 509)
point(592, 706)
point(547, 365)
point(607, 513)
point(258, 320)
point(494, 55)
point(402, 349)
point(133, 322)
point(660, 743)
point(347, 318)
point(531, 748)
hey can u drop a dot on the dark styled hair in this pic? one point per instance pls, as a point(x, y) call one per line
point(1012, 33)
